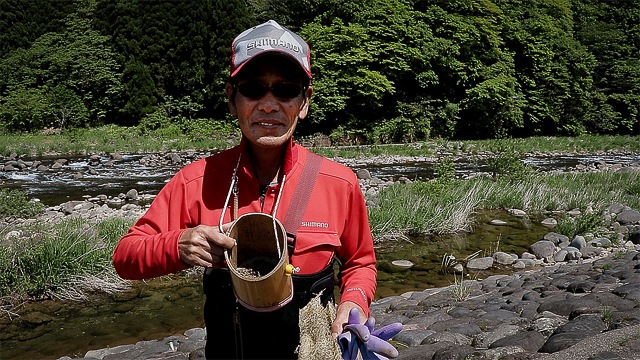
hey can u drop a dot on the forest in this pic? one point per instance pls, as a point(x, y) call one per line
point(385, 71)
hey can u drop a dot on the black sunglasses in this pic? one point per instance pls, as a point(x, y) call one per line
point(255, 90)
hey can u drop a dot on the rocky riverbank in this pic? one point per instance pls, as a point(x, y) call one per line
point(559, 294)
point(578, 298)
point(565, 308)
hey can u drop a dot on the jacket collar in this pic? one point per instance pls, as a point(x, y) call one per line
point(289, 162)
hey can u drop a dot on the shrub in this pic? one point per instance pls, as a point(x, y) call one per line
point(508, 163)
point(579, 225)
point(14, 202)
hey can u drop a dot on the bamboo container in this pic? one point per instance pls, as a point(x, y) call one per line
point(259, 263)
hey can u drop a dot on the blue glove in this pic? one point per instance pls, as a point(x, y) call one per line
point(363, 338)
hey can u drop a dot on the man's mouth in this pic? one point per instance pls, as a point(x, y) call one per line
point(267, 124)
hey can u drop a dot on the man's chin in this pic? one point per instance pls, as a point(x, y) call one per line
point(270, 142)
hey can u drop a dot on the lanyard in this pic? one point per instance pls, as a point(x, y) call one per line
point(233, 189)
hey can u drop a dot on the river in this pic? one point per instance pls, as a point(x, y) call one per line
point(169, 305)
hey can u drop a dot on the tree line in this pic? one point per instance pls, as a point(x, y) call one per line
point(384, 70)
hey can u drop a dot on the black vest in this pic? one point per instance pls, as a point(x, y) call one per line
point(234, 332)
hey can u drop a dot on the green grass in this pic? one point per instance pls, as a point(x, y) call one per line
point(110, 139)
point(51, 255)
point(437, 207)
point(581, 224)
point(210, 135)
point(547, 144)
point(15, 202)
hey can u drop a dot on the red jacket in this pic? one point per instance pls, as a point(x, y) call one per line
point(335, 221)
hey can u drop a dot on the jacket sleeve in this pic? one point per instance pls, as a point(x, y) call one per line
point(358, 271)
point(150, 248)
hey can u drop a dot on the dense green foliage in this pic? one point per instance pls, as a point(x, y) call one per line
point(14, 202)
point(384, 70)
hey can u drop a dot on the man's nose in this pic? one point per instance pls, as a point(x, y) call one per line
point(268, 103)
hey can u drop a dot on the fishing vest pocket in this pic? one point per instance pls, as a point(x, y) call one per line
point(314, 250)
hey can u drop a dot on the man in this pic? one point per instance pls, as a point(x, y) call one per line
point(269, 90)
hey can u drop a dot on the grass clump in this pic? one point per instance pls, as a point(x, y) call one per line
point(41, 259)
point(448, 207)
point(16, 203)
point(581, 224)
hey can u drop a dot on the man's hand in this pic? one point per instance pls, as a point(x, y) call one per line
point(342, 317)
point(363, 341)
point(204, 246)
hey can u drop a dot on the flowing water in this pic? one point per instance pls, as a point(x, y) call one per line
point(56, 187)
point(169, 305)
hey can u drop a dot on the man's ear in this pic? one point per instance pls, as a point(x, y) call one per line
point(231, 98)
point(304, 108)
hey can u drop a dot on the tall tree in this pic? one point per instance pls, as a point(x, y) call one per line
point(552, 67)
point(611, 32)
point(71, 75)
point(184, 46)
point(22, 22)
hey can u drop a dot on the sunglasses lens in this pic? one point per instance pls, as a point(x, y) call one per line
point(286, 90)
point(252, 90)
point(256, 90)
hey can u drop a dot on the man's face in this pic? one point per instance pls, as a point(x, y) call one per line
point(269, 99)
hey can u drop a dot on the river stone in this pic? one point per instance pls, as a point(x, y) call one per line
point(100, 354)
point(429, 319)
point(36, 318)
point(555, 238)
point(565, 307)
point(634, 237)
point(517, 212)
point(413, 337)
point(402, 263)
point(70, 206)
point(616, 208)
point(629, 291)
point(574, 255)
point(612, 301)
point(363, 174)
point(519, 265)
point(574, 212)
point(503, 258)
point(482, 263)
point(466, 329)
point(580, 287)
point(586, 324)
point(453, 351)
point(578, 242)
point(487, 338)
point(562, 341)
point(455, 338)
point(543, 249)
point(600, 242)
point(132, 194)
point(549, 222)
point(529, 341)
point(629, 216)
point(498, 222)
point(174, 158)
point(560, 255)
point(547, 322)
